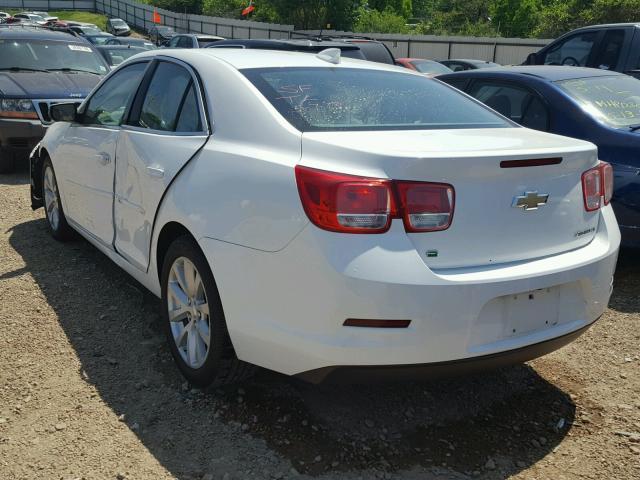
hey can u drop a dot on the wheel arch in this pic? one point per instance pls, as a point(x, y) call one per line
point(170, 231)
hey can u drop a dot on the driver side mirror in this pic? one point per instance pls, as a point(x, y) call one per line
point(532, 59)
point(63, 112)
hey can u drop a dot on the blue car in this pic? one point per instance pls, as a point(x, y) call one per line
point(600, 106)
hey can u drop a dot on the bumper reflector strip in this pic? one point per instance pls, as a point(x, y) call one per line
point(361, 322)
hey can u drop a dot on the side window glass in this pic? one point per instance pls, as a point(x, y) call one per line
point(574, 51)
point(164, 97)
point(174, 41)
point(184, 42)
point(457, 83)
point(189, 120)
point(108, 104)
point(457, 67)
point(536, 115)
point(507, 100)
point(610, 49)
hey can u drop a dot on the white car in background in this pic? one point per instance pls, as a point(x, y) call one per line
point(320, 216)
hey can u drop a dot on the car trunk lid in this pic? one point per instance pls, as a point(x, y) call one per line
point(488, 227)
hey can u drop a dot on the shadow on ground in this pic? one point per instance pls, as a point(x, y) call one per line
point(492, 425)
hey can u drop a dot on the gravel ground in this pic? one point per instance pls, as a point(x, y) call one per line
point(88, 389)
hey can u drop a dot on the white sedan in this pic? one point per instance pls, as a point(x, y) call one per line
point(327, 217)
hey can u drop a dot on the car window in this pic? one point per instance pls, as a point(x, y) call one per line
point(189, 120)
point(164, 97)
point(426, 66)
point(610, 49)
point(456, 67)
point(613, 100)
point(333, 99)
point(374, 51)
point(174, 41)
point(458, 83)
point(108, 104)
point(184, 42)
point(573, 51)
point(513, 102)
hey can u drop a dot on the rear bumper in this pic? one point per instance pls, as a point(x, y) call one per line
point(285, 310)
point(428, 371)
point(19, 137)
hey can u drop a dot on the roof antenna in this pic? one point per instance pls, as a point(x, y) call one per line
point(331, 55)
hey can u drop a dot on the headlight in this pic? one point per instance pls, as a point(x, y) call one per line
point(20, 108)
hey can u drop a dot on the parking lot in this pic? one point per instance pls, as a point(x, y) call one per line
point(88, 389)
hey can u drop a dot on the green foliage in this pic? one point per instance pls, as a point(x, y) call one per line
point(507, 18)
point(376, 21)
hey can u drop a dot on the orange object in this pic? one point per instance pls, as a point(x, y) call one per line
point(248, 10)
point(156, 16)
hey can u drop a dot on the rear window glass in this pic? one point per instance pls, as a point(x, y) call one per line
point(327, 99)
point(426, 66)
point(614, 100)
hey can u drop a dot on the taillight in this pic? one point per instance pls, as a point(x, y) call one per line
point(607, 181)
point(353, 204)
point(345, 203)
point(426, 207)
point(597, 186)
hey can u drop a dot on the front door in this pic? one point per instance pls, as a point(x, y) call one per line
point(88, 154)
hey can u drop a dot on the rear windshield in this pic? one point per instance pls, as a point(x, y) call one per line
point(613, 100)
point(332, 99)
point(45, 55)
point(375, 52)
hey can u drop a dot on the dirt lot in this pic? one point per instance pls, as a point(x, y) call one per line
point(88, 390)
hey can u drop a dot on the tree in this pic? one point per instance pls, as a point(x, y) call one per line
point(374, 21)
point(516, 18)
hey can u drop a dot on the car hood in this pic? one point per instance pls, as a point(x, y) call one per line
point(47, 85)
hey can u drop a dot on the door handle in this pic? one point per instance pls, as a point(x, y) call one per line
point(155, 172)
point(103, 158)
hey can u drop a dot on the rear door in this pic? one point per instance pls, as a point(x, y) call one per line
point(166, 128)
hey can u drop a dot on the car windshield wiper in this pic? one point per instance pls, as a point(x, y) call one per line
point(633, 128)
point(71, 70)
point(22, 69)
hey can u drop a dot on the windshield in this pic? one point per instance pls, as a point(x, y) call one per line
point(430, 67)
point(613, 100)
point(326, 99)
point(117, 56)
point(45, 55)
point(118, 23)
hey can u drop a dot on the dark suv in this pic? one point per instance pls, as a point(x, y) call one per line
point(39, 67)
point(609, 47)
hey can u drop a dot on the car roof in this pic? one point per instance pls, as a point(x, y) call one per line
point(551, 73)
point(261, 58)
point(119, 47)
point(608, 25)
point(283, 44)
point(32, 32)
point(413, 59)
point(468, 60)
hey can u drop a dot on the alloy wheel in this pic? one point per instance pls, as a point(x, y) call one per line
point(51, 198)
point(188, 310)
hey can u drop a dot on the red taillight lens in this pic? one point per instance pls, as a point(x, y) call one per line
point(352, 204)
point(607, 181)
point(426, 207)
point(345, 203)
point(592, 189)
point(597, 186)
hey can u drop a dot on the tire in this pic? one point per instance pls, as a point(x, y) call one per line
point(7, 162)
point(213, 364)
point(54, 213)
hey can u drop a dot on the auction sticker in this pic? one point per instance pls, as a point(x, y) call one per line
point(79, 48)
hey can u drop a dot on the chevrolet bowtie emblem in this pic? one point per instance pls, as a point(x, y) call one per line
point(530, 200)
